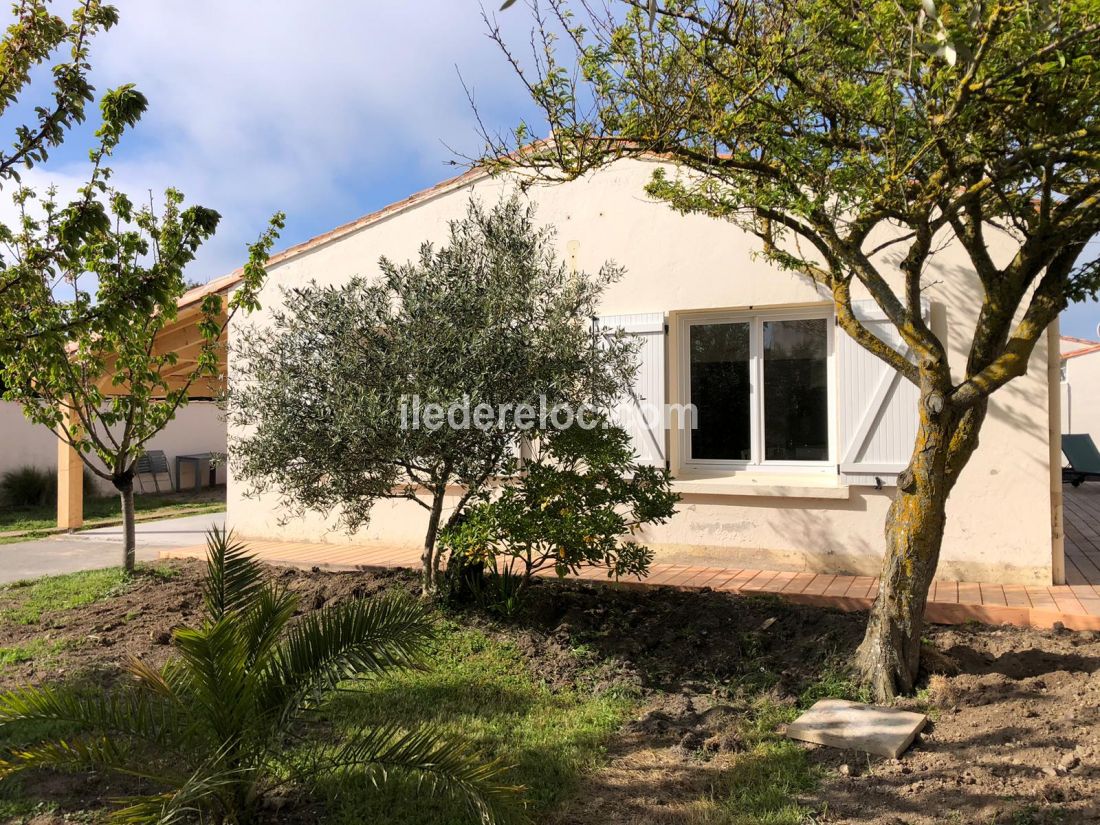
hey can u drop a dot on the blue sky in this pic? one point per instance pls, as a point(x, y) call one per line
point(324, 110)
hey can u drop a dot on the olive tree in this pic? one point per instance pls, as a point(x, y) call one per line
point(826, 126)
point(421, 383)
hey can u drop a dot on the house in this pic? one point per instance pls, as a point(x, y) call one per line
point(1080, 386)
point(793, 465)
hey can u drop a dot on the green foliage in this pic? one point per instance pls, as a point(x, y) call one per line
point(491, 317)
point(579, 501)
point(836, 132)
point(495, 589)
point(87, 286)
point(231, 581)
point(29, 41)
point(68, 377)
point(207, 731)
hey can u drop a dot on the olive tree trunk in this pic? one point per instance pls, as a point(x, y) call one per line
point(429, 558)
point(889, 657)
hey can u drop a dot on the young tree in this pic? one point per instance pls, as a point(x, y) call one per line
point(580, 501)
point(28, 43)
point(335, 397)
point(86, 287)
point(89, 364)
point(823, 126)
point(33, 35)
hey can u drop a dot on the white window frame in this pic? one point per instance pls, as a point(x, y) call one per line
point(756, 318)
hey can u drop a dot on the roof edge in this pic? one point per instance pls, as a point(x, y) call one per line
point(227, 282)
point(1087, 347)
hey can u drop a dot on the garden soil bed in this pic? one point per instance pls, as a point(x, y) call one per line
point(1014, 736)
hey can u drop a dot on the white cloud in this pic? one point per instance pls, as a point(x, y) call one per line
point(325, 110)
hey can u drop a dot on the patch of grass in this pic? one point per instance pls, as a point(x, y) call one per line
point(28, 600)
point(100, 510)
point(1034, 815)
point(41, 650)
point(837, 681)
point(762, 785)
point(478, 690)
point(15, 806)
point(32, 536)
point(16, 654)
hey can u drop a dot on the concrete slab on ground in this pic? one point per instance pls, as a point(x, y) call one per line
point(99, 548)
point(839, 723)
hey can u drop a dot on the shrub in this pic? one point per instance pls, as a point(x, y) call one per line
point(208, 730)
point(580, 501)
point(33, 487)
point(497, 590)
point(28, 487)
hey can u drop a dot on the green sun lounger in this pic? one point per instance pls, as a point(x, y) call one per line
point(1083, 457)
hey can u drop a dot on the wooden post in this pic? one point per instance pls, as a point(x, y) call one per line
point(1054, 438)
point(70, 484)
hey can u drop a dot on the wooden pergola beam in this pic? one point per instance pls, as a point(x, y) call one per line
point(181, 337)
point(70, 482)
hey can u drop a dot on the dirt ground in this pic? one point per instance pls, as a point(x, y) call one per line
point(1014, 735)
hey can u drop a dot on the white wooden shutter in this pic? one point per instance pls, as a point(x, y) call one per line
point(876, 405)
point(641, 412)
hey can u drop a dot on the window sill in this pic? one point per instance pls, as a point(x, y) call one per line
point(766, 486)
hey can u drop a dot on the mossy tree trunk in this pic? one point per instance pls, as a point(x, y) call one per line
point(889, 657)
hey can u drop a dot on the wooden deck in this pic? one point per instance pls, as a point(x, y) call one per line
point(1081, 515)
point(1076, 604)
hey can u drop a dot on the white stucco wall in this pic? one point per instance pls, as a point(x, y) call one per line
point(1081, 396)
point(23, 444)
point(198, 427)
point(679, 263)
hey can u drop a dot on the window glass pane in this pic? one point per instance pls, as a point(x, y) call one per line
point(796, 392)
point(720, 391)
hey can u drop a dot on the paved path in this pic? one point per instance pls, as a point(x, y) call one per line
point(1075, 606)
point(101, 547)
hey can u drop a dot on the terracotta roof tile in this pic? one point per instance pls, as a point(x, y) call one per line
point(1079, 346)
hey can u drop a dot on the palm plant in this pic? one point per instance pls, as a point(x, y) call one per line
point(208, 733)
